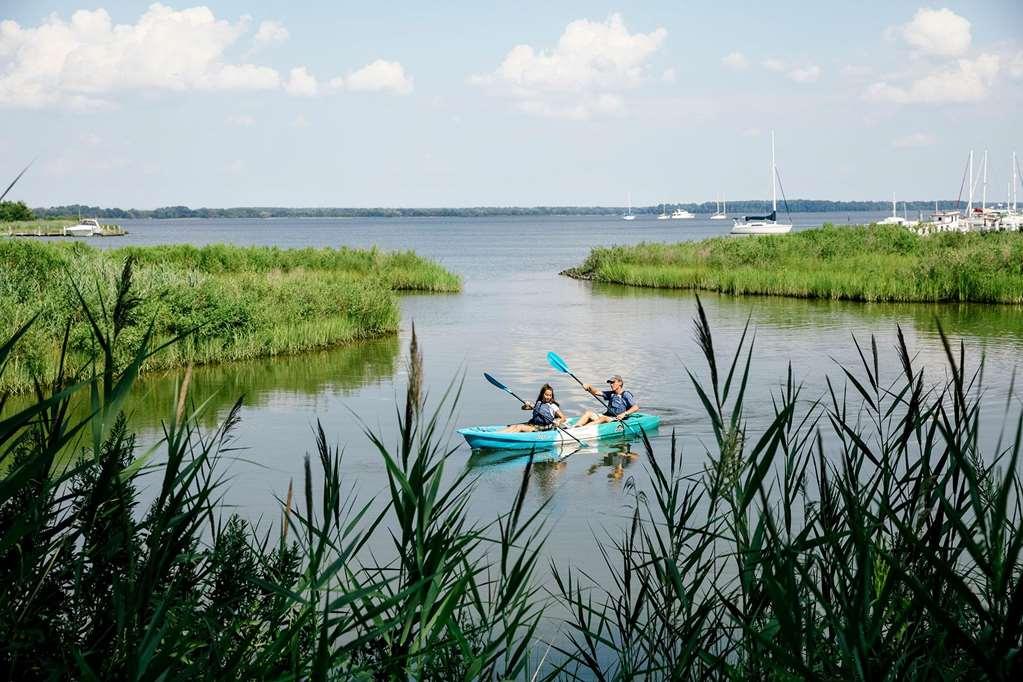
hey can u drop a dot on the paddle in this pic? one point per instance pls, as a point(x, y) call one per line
point(507, 390)
point(559, 364)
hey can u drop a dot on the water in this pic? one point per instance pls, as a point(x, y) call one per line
point(515, 308)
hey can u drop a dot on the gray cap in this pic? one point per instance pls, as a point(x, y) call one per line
point(614, 378)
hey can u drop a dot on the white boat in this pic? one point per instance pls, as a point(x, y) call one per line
point(663, 216)
point(681, 214)
point(720, 213)
point(767, 224)
point(894, 218)
point(86, 227)
point(629, 216)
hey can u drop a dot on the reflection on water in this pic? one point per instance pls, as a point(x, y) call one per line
point(610, 457)
point(296, 382)
point(293, 383)
point(975, 320)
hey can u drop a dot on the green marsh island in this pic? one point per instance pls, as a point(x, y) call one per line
point(863, 263)
point(233, 302)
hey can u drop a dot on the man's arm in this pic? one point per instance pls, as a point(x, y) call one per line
point(593, 390)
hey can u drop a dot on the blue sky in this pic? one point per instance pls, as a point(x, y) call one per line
point(532, 103)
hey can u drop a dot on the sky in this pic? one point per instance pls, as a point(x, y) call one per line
point(251, 103)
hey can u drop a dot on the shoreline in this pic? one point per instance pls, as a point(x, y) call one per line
point(856, 263)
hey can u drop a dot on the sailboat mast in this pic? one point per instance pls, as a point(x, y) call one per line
point(1014, 179)
point(983, 200)
point(893, 205)
point(774, 190)
point(969, 206)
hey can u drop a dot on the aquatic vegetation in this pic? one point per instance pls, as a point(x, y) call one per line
point(99, 586)
point(231, 302)
point(866, 534)
point(870, 533)
point(873, 263)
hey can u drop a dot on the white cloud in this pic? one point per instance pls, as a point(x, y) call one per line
point(604, 104)
point(735, 61)
point(805, 74)
point(939, 32)
point(668, 76)
point(235, 167)
point(241, 120)
point(581, 75)
point(1016, 65)
point(856, 71)
point(270, 33)
point(300, 121)
point(798, 74)
point(79, 62)
point(914, 140)
point(301, 83)
point(969, 80)
point(90, 140)
point(378, 76)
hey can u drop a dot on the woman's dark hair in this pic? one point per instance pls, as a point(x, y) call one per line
point(544, 389)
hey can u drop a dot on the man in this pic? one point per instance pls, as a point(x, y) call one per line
point(620, 403)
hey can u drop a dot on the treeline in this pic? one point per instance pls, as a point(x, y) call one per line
point(14, 210)
point(733, 207)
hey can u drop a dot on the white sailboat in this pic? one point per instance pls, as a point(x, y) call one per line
point(681, 214)
point(720, 213)
point(663, 216)
point(894, 218)
point(767, 224)
point(629, 216)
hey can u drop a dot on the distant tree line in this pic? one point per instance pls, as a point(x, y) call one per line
point(14, 210)
point(733, 207)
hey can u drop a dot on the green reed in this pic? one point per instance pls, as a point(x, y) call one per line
point(96, 586)
point(233, 302)
point(863, 535)
point(873, 263)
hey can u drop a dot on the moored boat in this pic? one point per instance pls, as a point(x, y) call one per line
point(495, 438)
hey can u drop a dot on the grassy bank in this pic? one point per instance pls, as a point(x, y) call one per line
point(875, 263)
point(236, 302)
point(860, 536)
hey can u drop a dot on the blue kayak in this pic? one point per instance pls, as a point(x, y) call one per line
point(494, 437)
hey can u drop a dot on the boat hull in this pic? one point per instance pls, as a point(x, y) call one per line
point(760, 228)
point(494, 437)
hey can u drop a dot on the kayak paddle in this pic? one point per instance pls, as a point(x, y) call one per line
point(507, 390)
point(559, 364)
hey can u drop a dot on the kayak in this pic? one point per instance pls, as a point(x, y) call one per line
point(494, 437)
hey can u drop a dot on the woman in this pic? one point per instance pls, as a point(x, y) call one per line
point(547, 413)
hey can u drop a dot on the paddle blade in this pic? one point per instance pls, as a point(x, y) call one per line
point(495, 382)
point(557, 363)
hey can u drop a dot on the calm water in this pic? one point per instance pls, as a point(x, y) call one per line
point(513, 310)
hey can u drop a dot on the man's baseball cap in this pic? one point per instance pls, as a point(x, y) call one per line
point(614, 378)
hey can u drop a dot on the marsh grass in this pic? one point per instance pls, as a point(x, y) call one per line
point(895, 553)
point(873, 263)
point(234, 303)
point(97, 587)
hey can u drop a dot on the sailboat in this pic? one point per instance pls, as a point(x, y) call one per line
point(767, 224)
point(894, 218)
point(663, 216)
point(629, 215)
point(720, 213)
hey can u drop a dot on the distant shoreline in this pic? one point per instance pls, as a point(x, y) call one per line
point(708, 207)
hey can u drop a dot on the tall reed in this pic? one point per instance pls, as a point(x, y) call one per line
point(873, 263)
point(97, 587)
point(867, 535)
point(234, 302)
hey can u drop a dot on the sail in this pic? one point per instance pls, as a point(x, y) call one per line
point(772, 216)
